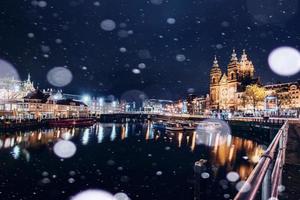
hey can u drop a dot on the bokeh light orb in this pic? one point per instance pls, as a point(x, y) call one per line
point(123, 33)
point(108, 25)
point(156, 2)
point(232, 176)
point(121, 196)
point(59, 76)
point(93, 194)
point(142, 65)
point(180, 57)
point(123, 49)
point(212, 132)
point(136, 71)
point(42, 4)
point(64, 149)
point(8, 70)
point(205, 175)
point(243, 186)
point(30, 35)
point(284, 61)
point(171, 20)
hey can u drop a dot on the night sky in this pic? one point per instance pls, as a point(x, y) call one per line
point(169, 44)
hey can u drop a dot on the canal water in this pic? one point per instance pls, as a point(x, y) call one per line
point(131, 158)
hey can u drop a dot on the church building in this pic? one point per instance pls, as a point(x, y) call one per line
point(224, 87)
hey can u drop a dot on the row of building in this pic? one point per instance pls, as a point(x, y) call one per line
point(227, 94)
point(21, 100)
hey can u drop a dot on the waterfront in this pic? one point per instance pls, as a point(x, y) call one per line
point(132, 158)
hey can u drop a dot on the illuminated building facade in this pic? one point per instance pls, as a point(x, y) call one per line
point(225, 86)
point(284, 98)
point(98, 106)
point(158, 106)
point(20, 100)
point(12, 89)
point(227, 90)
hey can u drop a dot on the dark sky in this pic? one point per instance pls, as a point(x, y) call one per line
point(36, 36)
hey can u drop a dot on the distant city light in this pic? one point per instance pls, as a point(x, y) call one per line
point(101, 101)
point(86, 98)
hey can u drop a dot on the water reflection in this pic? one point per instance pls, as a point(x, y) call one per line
point(100, 133)
point(235, 154)
point(223, 154)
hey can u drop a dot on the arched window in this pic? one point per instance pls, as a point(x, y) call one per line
point(213, 80)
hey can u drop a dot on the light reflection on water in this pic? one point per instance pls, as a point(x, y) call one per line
point(236, 154)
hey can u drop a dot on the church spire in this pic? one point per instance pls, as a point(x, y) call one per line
point(215, 62)
point(233, 56)
point(244, 56)
point(28, 77)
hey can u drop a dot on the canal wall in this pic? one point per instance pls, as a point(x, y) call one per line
point(15, 125)
point(12, 125)
point(291, 169)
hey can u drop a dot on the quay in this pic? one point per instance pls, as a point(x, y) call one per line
point(291, 169)
point(12, 125)
point(277, 174)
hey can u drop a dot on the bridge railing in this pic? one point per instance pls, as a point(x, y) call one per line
point(268, 171)
point(260, 120)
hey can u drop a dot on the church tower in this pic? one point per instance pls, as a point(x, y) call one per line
point(247, 68)
point(233, 69)
point(215, 76)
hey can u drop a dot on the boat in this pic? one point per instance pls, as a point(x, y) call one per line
point(188, 126)
point(160, 125)
point(174, 127)
point(72, 122)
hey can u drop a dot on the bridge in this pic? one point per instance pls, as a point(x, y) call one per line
point(172, 116)
point(277, 172)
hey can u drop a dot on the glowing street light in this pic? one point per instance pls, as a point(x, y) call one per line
point(86, 98)
point(101, 101)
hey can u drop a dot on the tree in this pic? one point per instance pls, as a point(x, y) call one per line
point(255, 94)
point(243, 101)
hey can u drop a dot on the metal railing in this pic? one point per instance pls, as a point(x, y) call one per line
point(268, 171)
point(271, 120)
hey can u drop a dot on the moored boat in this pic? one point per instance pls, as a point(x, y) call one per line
point(174, 127)
point(188, 126)
point(72, 122)
point(159, 125)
